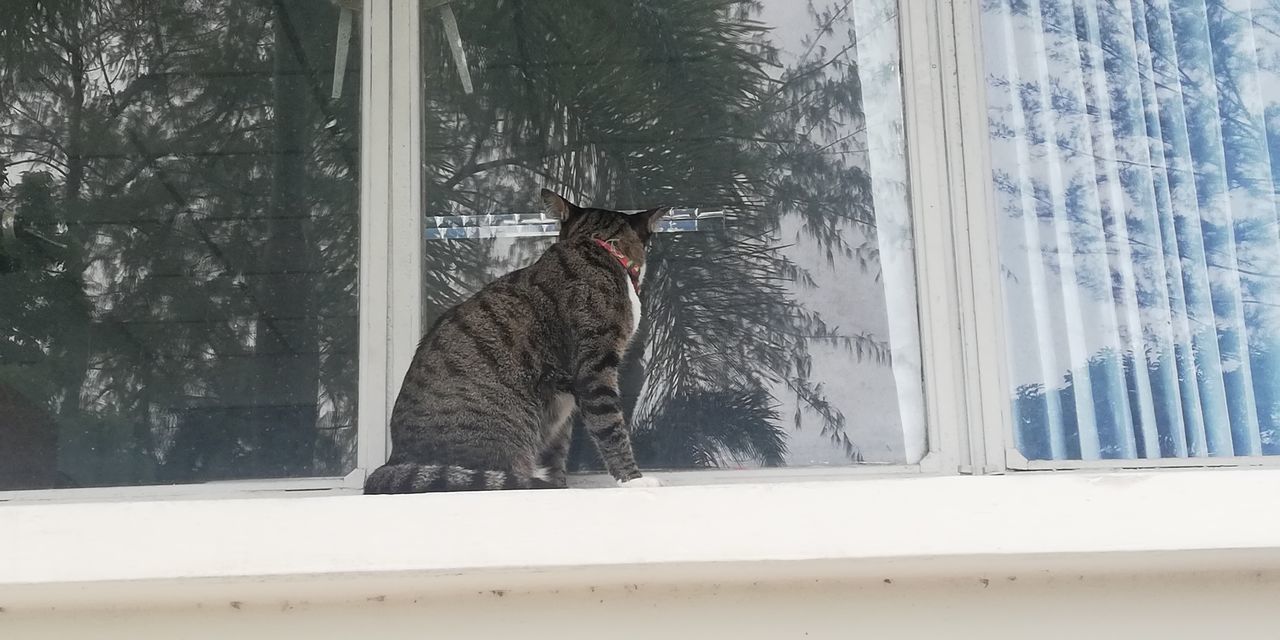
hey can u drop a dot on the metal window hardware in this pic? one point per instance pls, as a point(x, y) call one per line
point(533, 225)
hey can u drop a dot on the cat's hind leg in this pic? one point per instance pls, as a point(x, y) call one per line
point(556, 436)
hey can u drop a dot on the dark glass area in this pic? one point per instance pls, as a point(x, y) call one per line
point(179, 191)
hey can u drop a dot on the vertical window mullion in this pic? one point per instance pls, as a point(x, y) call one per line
point(375, 248)
point(405, 213)
point(985, 369)
point(936, 214)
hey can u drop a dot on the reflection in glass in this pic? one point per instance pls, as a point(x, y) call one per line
point(179, 243)
point(780, 330)
point(1135, 152)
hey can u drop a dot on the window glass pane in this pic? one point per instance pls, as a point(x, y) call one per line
point(179, 249)
point(780, 320)
point(1136, 164)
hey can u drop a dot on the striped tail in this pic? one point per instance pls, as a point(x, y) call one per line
point(411, 477)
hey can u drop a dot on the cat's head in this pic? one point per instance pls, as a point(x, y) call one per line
point(628, 232)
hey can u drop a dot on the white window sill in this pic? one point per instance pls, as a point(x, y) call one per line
point(351, 547)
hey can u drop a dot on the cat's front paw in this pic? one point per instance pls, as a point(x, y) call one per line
point(641, 482)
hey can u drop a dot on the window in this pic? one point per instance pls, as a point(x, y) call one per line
point(780, 321)
point(179, 255)
point(908, 237)
point(1135, 166)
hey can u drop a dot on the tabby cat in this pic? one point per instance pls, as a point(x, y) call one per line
point(487, 401)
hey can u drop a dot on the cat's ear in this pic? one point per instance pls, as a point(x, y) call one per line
point(646, 222)
point(557, 207)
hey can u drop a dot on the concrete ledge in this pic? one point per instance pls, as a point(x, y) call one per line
point(345, 548)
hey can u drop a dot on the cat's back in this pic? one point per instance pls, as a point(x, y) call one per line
point(508, 326)
point(540, 291)
point(531, 299)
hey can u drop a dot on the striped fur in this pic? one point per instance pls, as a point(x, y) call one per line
point(488, 398)
point(412, 477)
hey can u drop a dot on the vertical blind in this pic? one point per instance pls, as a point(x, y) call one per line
point(1136, 153)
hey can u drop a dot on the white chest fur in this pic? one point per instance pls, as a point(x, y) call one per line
point(634, 299)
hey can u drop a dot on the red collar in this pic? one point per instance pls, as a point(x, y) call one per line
point(632, 269)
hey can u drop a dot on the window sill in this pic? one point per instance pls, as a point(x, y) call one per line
point(350, 548)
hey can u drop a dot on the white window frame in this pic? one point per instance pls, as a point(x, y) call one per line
point(935, 266)
point(391, 245)
point(391, 260)
point(968, 420)
point(932, 233)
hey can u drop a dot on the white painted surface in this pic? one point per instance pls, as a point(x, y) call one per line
point(346, 548)
point(375, 375)
point(1115, 555)
point(404, 293)
point(1193, 607)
